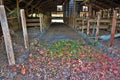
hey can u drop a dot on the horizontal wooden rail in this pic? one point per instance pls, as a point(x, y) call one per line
point(33, 24)
point(32, 20)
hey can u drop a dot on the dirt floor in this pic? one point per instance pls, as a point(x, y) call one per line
point(60, 31)
point(55, 32)
point(60, 53)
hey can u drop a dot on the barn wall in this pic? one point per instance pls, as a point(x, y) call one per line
point(39, 20)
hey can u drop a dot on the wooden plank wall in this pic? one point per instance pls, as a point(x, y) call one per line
point(95, 24)
point(35, 22)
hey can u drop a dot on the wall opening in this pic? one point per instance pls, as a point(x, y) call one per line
point(57, 17)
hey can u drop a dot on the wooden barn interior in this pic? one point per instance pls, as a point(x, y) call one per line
point(26, 22)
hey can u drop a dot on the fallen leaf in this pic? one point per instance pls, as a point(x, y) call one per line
point(23, 70)
point(116, 72)
point(114, 66)
point(31, 60)
point(118, 60)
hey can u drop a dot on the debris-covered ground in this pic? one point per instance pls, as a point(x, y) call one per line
point(61, 54)
point(64, 60)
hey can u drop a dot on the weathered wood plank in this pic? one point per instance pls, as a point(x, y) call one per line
point(98, 25)
point(33, 24)
point(90, 11)
point(6, 34)
point(88, 27)
point(1, 2)
point(83, 25)
point(114, 21)
point(40, 19)
point(18, 12)
point(32, 20)
point(101, 21)
point(74, 12)
point(23, 20)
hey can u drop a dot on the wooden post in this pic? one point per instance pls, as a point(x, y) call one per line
point(98, 25)
point(18, 13)
point(40, 19)
point(83, 25)
point(114, 20)
point(74, 13)
point(90, 11)
point(6, 34)
point(88, 27)
point(23, 20)
point(27, 12)
point(89, 15)
point(93, 13)
point(1, 2)
point(68, 13)
point(108, 14)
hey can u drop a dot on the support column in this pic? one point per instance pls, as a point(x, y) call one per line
point(23, 20)
point(114, 21)
point(18, 13)
point(27, 12)
point(6, 34)
point(65, 12)
point(1, 2)
point(40, 19)
point(74, 13)
point(90, 11)
point(98, 25)
point(88, 27)
point(93, 13)
point(68, 13)
point(77, 10)
point(89, 15)
point(83, 25)
point(108, 14)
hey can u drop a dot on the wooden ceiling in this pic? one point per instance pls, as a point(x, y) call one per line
point(51, 5)
point(45, 5)
point(103, 4)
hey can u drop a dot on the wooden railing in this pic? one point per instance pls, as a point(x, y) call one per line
point(43, 21)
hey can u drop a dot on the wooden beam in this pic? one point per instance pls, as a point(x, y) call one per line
point(50, 4)
point(90, 11)
point(6, 34)
point(40, 19)
point(21, 1)
point(23, 20)
point(33, 24)
point(32, 20)
point(114, 21)
point(74, 12)
point(1, 2)
point(98, 25)
point(8, 9)
point(47, 1)
point(84, 2)
point(37, 4)
point(18, 12)
point(101, 4)
point(29, 3)
point(97, 6)
point(112, 3)
point(88, 27)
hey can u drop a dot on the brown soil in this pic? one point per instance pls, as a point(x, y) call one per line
point(38, 65)
point(55, 32)
point(60, 31)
